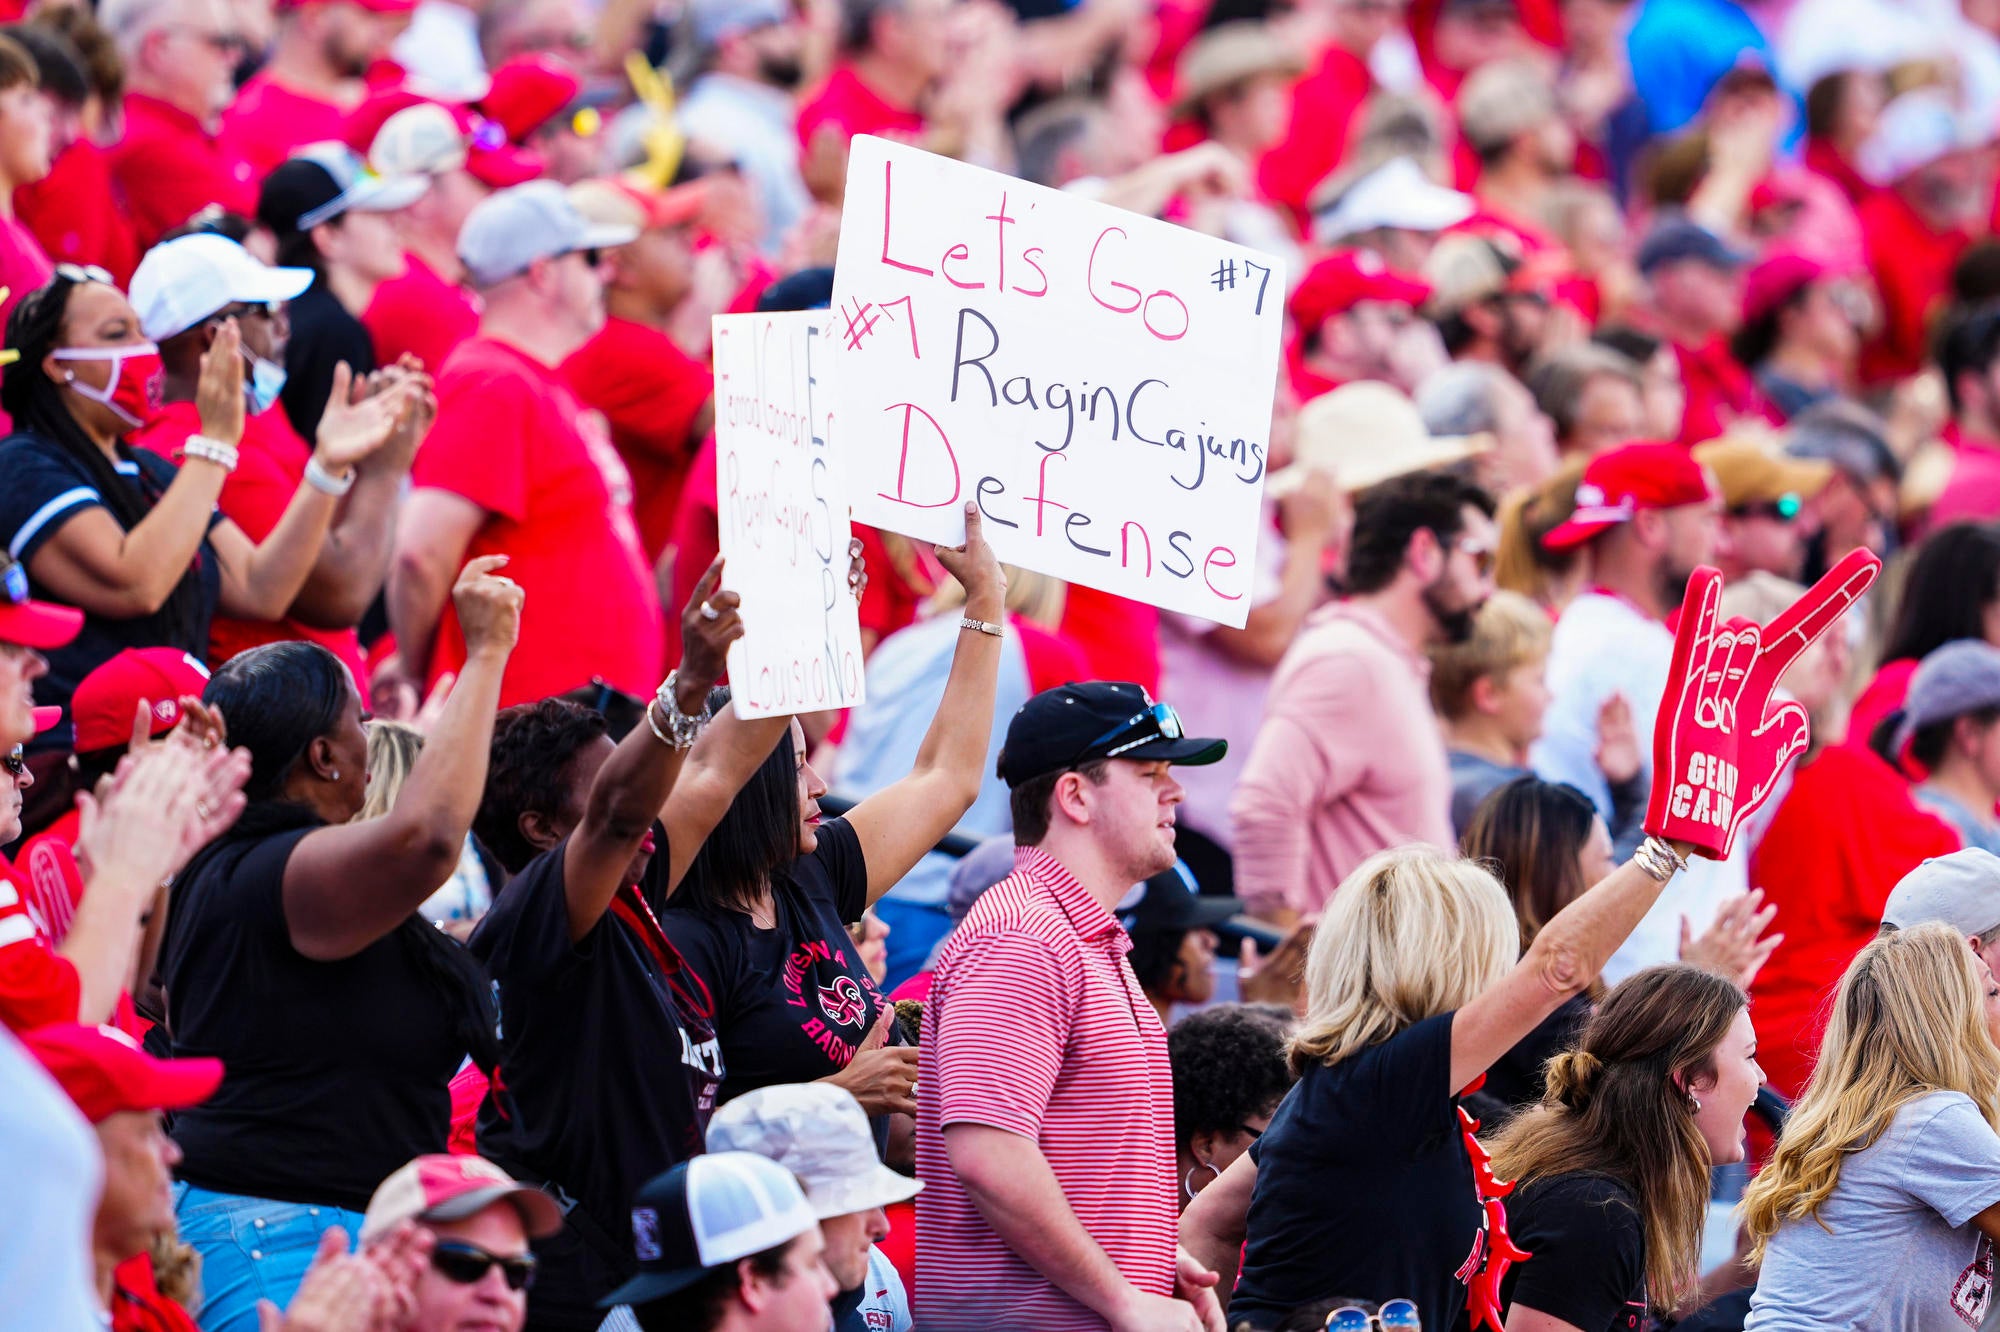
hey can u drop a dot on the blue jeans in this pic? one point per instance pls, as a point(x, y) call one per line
point(251, 1249)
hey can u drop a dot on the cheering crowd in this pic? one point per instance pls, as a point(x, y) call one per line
point(1568, 903)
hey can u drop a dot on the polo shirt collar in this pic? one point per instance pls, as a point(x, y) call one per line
point(1086, 914)
point(1377, 626)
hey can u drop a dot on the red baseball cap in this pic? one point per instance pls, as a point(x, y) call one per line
point(450, 1188)
point(1775, 279)
point(101, 708)
point(1344, 279)
point(35, 624)
point(47, 719)
point(527, 92)
point(1620, 482)
point(105, 1072)
point(434, 141)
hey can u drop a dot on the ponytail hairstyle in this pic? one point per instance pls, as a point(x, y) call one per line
point(35, 402)
point(1618, 1106)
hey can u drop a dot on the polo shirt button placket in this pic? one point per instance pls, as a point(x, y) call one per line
point(257, 1255)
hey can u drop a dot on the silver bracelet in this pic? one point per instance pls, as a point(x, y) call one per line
point(682, 730)
point(1659, 860)
point(325, 482)
point(983, 626)
point(1665, 850)
point(225, 456)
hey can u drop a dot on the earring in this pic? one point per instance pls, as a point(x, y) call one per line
point(1694, 1102)
point(69, 376)
point(1187, 1180)
point(334, 776)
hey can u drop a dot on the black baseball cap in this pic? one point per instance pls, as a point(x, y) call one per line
point(1677, 238)
point(1170, 904)
point(1074, 723)
point(704, 1213)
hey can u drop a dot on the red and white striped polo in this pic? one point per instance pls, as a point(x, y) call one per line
point(1035, 1024)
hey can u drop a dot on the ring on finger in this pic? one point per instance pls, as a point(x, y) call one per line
point(709, 612)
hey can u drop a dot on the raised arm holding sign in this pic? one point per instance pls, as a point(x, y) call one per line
point(1097, 382)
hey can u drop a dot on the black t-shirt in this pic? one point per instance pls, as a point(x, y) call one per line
point(1364, 1187)
point(323, 334)
point(335, 1073)
point(42, 487)
point(609, 1067)
point(1589, 1252)
point(794, 1002)
point(1518, 1077)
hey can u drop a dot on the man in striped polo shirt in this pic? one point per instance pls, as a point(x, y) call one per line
point(1045, 1119)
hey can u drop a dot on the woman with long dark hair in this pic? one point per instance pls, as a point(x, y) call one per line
point(1611, 1170)
point(761, 911)
point(1951, 590)
point(133, 540)
point(295, 953)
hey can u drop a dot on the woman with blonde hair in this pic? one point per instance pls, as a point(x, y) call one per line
point(1880, 1207)
point(1368, 1180)
point(1611, 1170)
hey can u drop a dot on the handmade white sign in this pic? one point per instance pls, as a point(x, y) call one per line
point(782, 508)
point(1098, 382)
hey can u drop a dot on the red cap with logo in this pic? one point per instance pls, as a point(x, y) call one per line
point(450, 1188)
point(103, 704)
point(105, 1072)
point(1620, 482)
point(459, 136)
point(1344, 279)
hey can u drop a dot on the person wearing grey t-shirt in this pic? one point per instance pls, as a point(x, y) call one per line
point(1880, 1208)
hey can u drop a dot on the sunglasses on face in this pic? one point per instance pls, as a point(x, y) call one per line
point(1158, 722)
point(1396, 1314)
point(1483, 556)
point(16, 766)
point(465, 1264)
point(1784, 508)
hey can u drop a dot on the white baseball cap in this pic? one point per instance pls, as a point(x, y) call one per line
point(184, 281)
point(1915, 130)
point(508, 230)
point(706, 1212)
point(1961, 889)
point(1397, 195)
point(819, 1133)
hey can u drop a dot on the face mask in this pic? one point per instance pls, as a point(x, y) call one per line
point(135, 379)
point(266, 382)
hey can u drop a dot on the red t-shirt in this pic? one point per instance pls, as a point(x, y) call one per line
point(1972, 492)
point(169, 167)
point(37, 986)
point(1719, 391)
point(24, 265)
point(1845, 833)
point(512, 438)
point(1824, 158)
point(52, 883)
point(1324, 106)
point(651, 392)
point(255, 496)
point(1912, 266)
point(852, 107)
point(66, 211)
point(419, 313)
point(1119, 638)
point(268, 121)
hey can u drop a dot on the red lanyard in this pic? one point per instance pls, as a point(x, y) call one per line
point(689, 990)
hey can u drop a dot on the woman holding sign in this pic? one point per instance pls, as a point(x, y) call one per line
point(1416, 985)
point(761, 916)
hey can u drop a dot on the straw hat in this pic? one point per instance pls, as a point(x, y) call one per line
point(1365, 433)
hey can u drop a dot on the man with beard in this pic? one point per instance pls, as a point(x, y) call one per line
point(1651, 515)
point(740, 109)
point(314, 79)
point(1349, 760)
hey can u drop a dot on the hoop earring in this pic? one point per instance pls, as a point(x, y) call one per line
point(1187, 1180)
point(1695, 1102)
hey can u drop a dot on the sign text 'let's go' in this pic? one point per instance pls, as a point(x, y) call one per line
point(1098, 382)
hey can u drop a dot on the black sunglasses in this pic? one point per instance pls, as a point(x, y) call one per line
point(250, 310)
point(455, 1260)
point(16, 766)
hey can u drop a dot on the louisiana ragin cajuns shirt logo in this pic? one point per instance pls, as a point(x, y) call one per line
point(1972, 1294)
point(831, 1003)
point(843, 1002)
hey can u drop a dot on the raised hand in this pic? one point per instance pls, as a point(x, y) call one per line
point(1736, 945)
point(488, 605)
point(1720, 742)
point(710, 622)
point(350, 429)
point(977, 570)
point(1617, 741)
point(218, 393)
